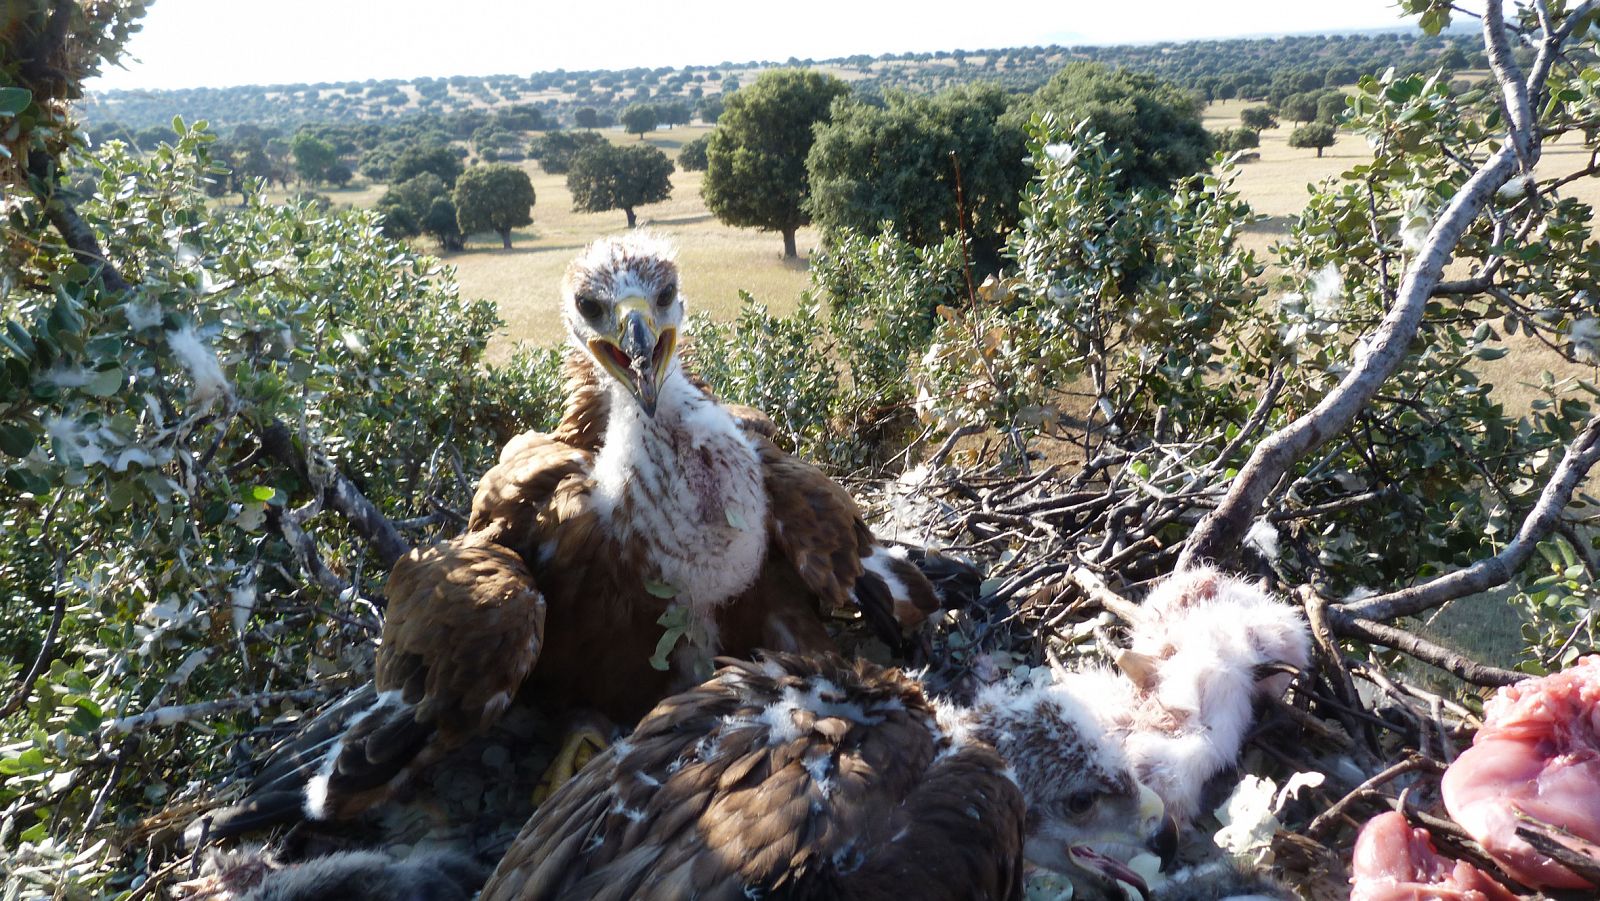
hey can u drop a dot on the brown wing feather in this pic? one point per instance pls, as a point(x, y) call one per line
point(792, 778)
point(817, 526)
point(463, 630)
point(513, 500)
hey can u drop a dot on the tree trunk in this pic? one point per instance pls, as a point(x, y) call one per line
point(505, 238)
point(1319, 153)
point(789, 251)
point(632, 220)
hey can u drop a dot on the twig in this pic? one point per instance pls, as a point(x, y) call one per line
point(183, 713)
point(339, 493)
point(47, 650)
point(1546, 843)
point(1349, 626)
point(1494, 571)
point(949, 443)
point(1409, 765)
point(1096, 589)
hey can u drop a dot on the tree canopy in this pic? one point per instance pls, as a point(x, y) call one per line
point(437, 158)
point(898, 163)
point(555, 149)
point(312, 158)
point(1258, 118)
point(1320, 135)
point(494, 197)
point(608, 177)
point(421, 205)
point(640, 118)
point(1152, 123)
point(692, 155)
point(756, 161)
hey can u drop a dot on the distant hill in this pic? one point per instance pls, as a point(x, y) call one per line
point(1214, 69)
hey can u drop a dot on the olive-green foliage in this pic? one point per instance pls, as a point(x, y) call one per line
point(1257, 118)
point(133, 491)
point(1300, 107)
point(1331, 106)
point(897, 163)
point(640, 118)
point(692, 155)
point(1124, 294)
point(607, 177)
point(835, 374)
point(1317, 134)
point(555, 150)
point(436, 158)
point(756, 162)
point(493, 197)
point(1153, 124)
point(778, 364)
point(312, 157)
point(421, 205)
point(1232, 139)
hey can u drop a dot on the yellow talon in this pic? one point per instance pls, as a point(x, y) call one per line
point(580, 747)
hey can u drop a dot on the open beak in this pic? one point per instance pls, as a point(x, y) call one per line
point(1154, 832)
point(1111, 868)
point(637, 356)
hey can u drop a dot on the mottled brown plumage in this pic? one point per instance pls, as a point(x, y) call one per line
point(452, 606)
point(652, 529)
point(791, 778)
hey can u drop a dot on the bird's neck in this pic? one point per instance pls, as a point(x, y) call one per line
point(684, 487)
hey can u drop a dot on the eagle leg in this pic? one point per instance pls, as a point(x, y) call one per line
point(583, 742)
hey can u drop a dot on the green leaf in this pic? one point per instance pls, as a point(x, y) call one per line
point(17, 440)
point(14, 100)
point(676, 621)
point(660, 589)
point(104, 383)
point(262, 493)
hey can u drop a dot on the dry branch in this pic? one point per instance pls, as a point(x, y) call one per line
point(337, 492)
point(183, 713)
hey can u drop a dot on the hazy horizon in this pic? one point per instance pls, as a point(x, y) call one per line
point(204, 43)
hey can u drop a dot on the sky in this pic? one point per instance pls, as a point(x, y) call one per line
point(220, 43)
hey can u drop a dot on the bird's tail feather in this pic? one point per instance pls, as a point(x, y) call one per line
point(292, 762)
point(900, 586)
point(360, 743)
point(955, 582)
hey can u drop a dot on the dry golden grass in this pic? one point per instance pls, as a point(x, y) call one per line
point(718, 261)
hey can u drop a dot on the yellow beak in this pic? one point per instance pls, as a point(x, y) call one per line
point(636, 355)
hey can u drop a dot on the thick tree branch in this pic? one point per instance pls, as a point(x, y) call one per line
point(1347, 626)
point(47, 650)
point(1219, 533)
point(1494, 571)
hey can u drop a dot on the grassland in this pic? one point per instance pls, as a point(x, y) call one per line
point(718, 261)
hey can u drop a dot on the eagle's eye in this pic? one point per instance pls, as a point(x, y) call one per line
point(665, 297)
point(1080, 803)
point(589, 308)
